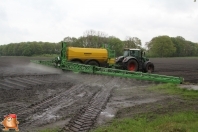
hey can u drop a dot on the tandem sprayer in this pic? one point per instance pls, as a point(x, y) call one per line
point(133, 63)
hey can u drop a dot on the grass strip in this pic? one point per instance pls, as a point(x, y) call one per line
point(176, 90)
point(178, 122)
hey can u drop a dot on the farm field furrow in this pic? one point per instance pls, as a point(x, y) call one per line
point(45, 97)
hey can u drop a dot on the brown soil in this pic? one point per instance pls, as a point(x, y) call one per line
point(47, 97)
point(181, 67)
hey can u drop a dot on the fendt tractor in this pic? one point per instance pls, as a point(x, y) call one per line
point(133, 63)
point(134, 60)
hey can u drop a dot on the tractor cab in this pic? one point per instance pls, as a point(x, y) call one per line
point(134, 60)
point(131, 52)
point(137, 53)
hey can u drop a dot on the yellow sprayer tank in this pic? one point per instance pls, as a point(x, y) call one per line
point(92, 56)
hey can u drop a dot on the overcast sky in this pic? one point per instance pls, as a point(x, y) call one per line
point(52, 20)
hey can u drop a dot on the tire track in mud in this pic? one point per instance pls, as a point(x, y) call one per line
point(86, 117)
point(27, 83)
point(95, 100)
point(66, 98)
point(24, 81)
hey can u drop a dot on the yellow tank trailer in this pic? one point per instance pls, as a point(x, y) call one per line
point(90, 56)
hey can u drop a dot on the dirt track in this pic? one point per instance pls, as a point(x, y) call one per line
point(47, 97)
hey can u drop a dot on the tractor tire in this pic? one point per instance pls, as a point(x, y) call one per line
point(132, 65)
point(149, 67)
point(93, 63)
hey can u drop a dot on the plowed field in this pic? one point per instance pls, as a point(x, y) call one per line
point(45, 97)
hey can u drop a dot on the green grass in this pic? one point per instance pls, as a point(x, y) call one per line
point(176, 90)
point(171, 122)
point(179, 122)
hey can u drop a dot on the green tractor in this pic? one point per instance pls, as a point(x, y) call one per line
point(134, 60)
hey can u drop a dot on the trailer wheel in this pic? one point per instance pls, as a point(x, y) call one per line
point(149, 67)
point(132, 65)
point(93, 63)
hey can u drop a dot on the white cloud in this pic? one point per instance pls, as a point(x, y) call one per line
point(52, 20)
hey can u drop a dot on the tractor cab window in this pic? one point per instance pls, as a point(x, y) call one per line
point(126, 53)
point(138, 53)
point(135, 53)
point(132, 53)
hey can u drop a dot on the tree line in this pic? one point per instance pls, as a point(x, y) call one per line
point(90, 39)
point(161, 46)
point(165, 46)
point(29, 49)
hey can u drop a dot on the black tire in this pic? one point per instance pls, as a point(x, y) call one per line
point(93, 63)
point(149, 67)
point(132, 65)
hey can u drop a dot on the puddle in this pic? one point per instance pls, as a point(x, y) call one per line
point(107, 114)
point(81, 94)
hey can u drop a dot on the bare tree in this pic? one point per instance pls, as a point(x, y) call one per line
point(94, 38)
point(132, 42)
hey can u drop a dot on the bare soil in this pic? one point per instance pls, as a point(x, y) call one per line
point(45, 97)
point(181, 67)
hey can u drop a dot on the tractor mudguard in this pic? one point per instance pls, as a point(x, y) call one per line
point(126, 59)
point(120, 58)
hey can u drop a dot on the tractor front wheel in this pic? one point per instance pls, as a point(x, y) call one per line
point(132, 65)
point(149, 67)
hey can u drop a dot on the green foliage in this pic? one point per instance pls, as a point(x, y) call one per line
point(176, 90)
point(132, 42)
point(178, 122)
point(30, 49)
point(162, 46)
point(116, 44)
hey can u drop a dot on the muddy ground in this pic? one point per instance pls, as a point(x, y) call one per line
point(44, 97)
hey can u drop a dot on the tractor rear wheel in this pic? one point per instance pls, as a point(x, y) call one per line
point(132, 65)
point(149, 67)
